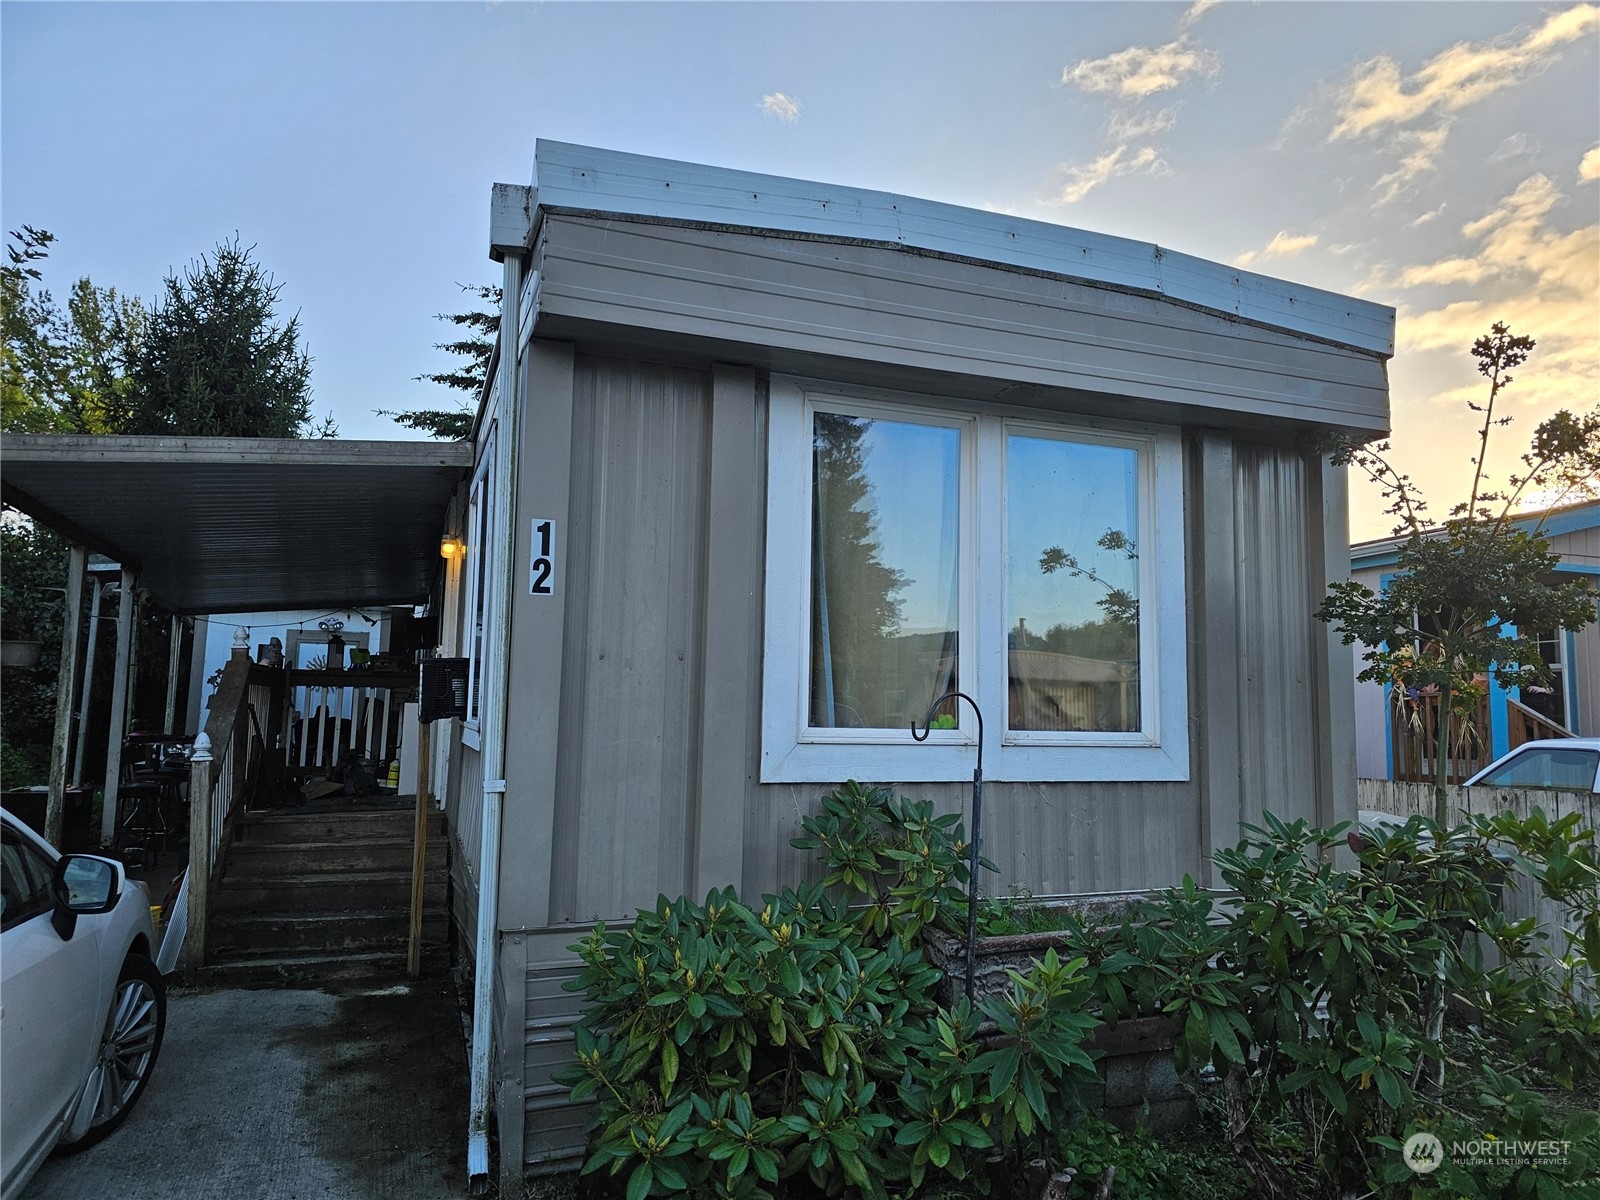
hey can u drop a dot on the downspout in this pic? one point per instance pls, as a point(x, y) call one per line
point(492, 724)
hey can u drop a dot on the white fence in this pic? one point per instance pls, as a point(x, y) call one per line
point(1408, 799)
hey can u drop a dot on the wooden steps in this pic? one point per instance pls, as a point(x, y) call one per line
point(309, 897)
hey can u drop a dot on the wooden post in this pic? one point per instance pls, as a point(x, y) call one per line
point(174, 655)
point(66, 688)
point(419, 851)
point(194, 945)
point(88, 681)
point(117, 723)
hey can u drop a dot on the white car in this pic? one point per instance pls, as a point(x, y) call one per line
point(1565, 764)
point(82, 1006)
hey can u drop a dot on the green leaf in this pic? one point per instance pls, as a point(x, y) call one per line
point(1388, 1086)
point(669, 1176)
point(675, 1119)
point(789, 976)
point(640, 1181)
point(1223, 1036)
point(669, 1066)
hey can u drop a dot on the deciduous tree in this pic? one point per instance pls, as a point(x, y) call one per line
point(1468, 597)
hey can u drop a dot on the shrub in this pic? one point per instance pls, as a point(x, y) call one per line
point(730, 1051)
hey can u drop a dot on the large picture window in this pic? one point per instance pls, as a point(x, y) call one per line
point(916, 547)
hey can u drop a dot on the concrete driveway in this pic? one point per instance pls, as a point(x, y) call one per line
point(284, 1094)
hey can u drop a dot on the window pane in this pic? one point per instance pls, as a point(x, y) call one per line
point(1549, 700)
point(1573, 769)
point(884, 575)
point(1072, 585)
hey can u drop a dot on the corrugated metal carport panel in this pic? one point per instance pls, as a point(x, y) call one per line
point(219, 525)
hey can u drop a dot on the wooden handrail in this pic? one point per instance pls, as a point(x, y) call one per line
point(216, 777)
point(1526, 725)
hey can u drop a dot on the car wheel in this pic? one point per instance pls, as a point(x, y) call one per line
point(128, 1049)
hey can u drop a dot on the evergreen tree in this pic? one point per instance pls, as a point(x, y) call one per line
point(480, 330)
point(216, 361)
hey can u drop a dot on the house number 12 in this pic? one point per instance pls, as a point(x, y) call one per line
point(542, 571)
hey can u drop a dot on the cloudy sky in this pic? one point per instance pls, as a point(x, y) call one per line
point(1443, 158)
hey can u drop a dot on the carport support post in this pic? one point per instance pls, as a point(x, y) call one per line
point(88, 681)
point(174, 654)
point(66, 689)
point(117, 723)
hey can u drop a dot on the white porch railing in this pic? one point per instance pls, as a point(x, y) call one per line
point(220, 771)
point(335, 714)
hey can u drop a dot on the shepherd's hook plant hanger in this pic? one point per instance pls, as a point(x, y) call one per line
point(977, 827)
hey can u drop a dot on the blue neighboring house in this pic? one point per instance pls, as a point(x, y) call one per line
point(1394, 741)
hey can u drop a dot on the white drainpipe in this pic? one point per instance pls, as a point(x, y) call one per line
point(492, 725)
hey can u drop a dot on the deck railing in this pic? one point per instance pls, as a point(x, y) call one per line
point(335, 714)
point(1414, 734)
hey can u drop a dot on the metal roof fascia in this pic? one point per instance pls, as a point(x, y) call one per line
point(587, 179)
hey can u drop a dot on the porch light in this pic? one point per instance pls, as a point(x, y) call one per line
point(450, 547)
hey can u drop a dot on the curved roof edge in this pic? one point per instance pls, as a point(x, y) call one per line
point(584, 178)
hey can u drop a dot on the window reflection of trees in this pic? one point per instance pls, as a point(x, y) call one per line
point(865, 671)
point(1080, 677)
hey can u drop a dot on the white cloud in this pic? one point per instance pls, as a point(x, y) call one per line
point(1589, 168)
point(1429, 215)
point(1132, 124)
point(1530, 274)
point(1422, 150)
point(1518, 145)
point(1196, 10)
point(1085, 177)
point(1141, 71)
point(1379, 95)
point(1281, 246)
point(785, 108)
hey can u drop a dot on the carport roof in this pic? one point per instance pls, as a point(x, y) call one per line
point(216, 525)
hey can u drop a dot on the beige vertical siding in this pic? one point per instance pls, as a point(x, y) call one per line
point(1051, 839)
point(655, 616)
point(629, 704)
point(1277, 706)
point(466, 829)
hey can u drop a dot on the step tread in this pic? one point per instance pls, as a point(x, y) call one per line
point(246, 921)
point(327, 844)
point(298, 816)
point(311, 968)
point(324, 878)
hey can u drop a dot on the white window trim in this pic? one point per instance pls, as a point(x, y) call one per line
point(793, 753)
point(475, 613)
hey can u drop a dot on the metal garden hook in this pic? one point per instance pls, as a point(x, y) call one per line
point(977, 826)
